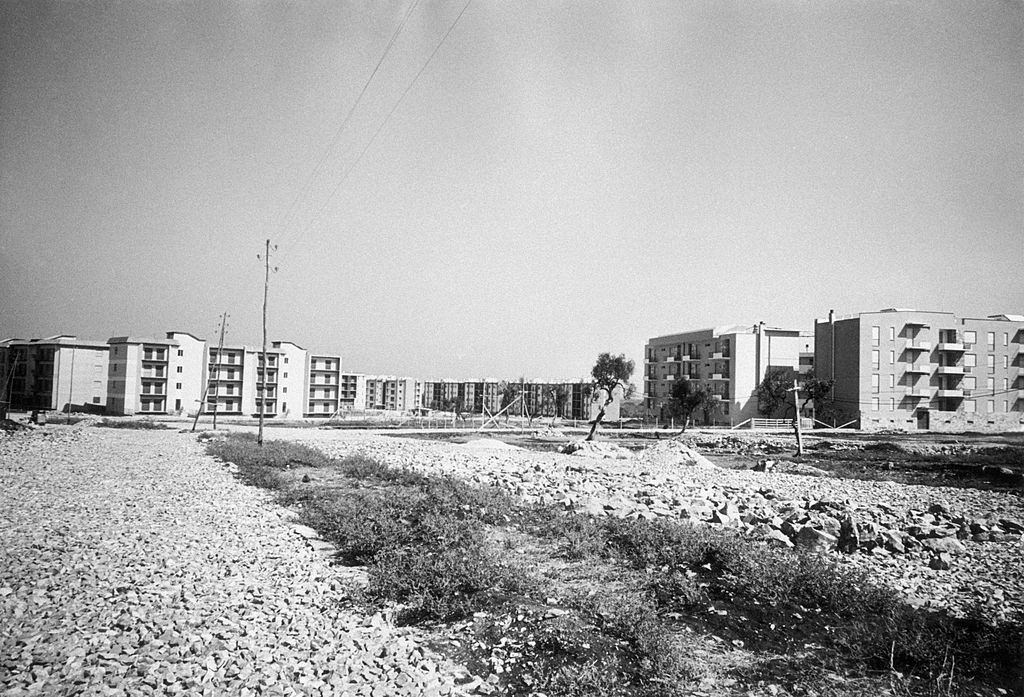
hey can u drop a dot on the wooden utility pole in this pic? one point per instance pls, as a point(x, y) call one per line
point(209, 372)
point(263, 356)
point(796, 418)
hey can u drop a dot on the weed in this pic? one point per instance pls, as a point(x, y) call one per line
point(140, 425)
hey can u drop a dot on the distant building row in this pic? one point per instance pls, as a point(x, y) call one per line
point(174, 375)
point(892, 368)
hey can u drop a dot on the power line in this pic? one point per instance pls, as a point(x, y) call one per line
point(387, 118)
point(348, 117)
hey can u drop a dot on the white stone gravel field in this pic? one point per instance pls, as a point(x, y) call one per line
point(133, 564)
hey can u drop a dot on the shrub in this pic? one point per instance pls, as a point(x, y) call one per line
point(440, 583)
point(142, 424)
point(242, 449)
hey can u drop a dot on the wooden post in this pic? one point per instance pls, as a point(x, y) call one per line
point(263, 375)
point(796, 419)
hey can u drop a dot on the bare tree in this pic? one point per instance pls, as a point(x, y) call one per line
point(610, 373)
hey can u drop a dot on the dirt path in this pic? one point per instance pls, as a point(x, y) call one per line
point(131, 563)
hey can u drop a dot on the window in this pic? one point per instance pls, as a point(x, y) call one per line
point(874, 359)
point(180, 352)
point(1006, 362)
point(286, 359)
point(892, 404)
point(990, 384)
point(991, 360)
point(177, 385)
point(874, 336)
point(991, 406)
point(970, 338)
point(178, 369)
point(969, 407)
point(1006, 339)
point(874, 404)
point(892, 333)
point(284, 389)
point(1006, 384)
point(970, 360)
point(970, 382)
point(96, 400)
point(1006, 406)
point(892, 357)
point(286, 374)
point(990, 339)
point(874, 382)
point(892, 381)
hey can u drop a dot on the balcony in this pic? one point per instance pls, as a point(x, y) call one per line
point(951, 394)
point(670, 377)
point(953, 346)
point(950, 370)
point(719, 376)
point(919, 346)
point(919, 392)
point(720, 356)
point(920, 369)
point(671, 359)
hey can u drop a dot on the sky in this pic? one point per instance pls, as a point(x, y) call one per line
point(560, 179)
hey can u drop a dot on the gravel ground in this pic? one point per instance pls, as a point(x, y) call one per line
point(132, 564)
point(990, 573)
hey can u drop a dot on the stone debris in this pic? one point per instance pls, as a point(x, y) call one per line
point(595, 449)
point(132, 564)
point(490, 444)
point(892, 529)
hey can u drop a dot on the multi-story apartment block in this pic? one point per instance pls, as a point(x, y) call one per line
point(392, 393)
point(286, 380)
point(323, 384)
point(330, 390)
point(229, 377)
point(241, 381)
point(731, 361)
point(56, 373)
point(155, 376)
point(905, 369)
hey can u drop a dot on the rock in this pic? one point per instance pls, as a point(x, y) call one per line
point(943, 544)
point(893, 542)
point(1011, 526)
point(815, 540)
point(849, 537)
point(941, 561)
point(777, 538)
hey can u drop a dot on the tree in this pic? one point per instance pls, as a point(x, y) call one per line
point(508, 391)
point(686, 398)
point(816, 391)
point(773, 392)
point(609, 373)
point(559, 398)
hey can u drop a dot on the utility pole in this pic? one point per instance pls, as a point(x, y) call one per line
point(213, 366)
point(796, 418)
point(263, 356)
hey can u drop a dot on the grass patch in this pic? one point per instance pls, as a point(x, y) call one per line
point(132, 424)
point(617, 597)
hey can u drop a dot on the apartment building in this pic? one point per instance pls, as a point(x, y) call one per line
point(55, 373)
point(155, 376)
point(392, 393)
point(900, 368)
point(330, 390)
point(242, 381)
point(731, 361)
